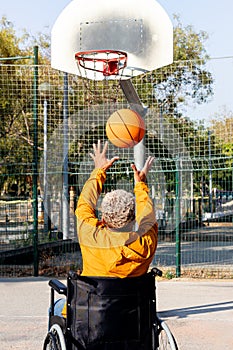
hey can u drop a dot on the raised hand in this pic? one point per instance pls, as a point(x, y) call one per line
point(99, 157)
point(140, 175)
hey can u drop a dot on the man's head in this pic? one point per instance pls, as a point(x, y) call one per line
point(118, 208)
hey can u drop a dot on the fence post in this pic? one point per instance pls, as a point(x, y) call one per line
point(35, 163)
point(177, 218)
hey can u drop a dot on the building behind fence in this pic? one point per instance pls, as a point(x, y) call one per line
point(191, 182)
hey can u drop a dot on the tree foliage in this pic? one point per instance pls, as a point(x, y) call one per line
point(222, 129)
point(14, 45)
point(222, 126)
point(16, 100)
point(188, 78)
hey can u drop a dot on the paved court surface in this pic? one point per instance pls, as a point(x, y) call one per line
point(200, 313)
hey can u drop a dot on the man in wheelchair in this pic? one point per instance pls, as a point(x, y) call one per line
point(110, 305)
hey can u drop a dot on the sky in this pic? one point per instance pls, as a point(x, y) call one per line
point(213, 17)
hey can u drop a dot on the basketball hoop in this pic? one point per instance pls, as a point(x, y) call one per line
point(106, 62)
point(101, 68)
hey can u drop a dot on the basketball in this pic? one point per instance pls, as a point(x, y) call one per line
point(125, 128)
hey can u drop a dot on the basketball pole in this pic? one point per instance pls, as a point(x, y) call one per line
point(135, 104)
point(65, 186)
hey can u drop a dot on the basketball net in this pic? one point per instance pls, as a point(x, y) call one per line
point(101, 71)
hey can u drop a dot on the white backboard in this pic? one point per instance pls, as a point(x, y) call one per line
point(141, 28)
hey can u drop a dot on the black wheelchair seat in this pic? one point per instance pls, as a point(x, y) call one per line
point(110, 312)
point(106, 313)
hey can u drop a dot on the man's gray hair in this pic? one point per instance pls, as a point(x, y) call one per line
point(118, 208)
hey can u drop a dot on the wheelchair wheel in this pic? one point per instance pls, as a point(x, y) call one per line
point(55, 339)
point(163, 339)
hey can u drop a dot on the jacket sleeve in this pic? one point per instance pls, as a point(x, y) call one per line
point(147, 232)
point(145, 213)
point(86, 208)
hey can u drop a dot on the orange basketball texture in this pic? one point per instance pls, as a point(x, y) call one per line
point(125, 128)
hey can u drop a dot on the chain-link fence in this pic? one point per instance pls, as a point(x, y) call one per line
point(191, 181)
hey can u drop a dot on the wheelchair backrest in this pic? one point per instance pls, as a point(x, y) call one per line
point(110, 313)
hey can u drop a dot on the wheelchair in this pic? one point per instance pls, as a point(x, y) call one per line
point(108, 314)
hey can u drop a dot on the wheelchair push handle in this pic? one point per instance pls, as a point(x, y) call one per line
point(156, 272)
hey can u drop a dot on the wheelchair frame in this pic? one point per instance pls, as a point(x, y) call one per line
point(58, 335)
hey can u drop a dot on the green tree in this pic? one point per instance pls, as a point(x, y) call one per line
point(187, 78)
point(16, 101)
point(169, 88)
point(222, 128)
point(16, 45)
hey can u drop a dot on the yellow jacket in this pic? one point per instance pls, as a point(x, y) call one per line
point(114, 253)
